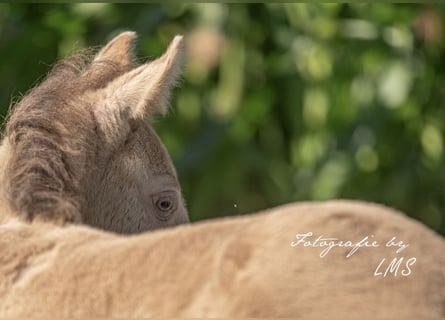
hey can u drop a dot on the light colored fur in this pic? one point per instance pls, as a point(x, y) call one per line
point(244, 266)
point(78, 149)
point(241, 266)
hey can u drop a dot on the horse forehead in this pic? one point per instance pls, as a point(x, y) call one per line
point(149, 143)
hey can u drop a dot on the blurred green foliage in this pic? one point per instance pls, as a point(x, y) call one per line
point(280, 102)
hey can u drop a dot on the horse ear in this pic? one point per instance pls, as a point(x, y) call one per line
point(146, 89)
point(119, 50)
point(111, 61)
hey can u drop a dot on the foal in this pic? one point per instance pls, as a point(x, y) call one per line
point(77, 148)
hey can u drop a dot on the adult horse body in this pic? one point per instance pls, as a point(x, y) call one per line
point(242, 266)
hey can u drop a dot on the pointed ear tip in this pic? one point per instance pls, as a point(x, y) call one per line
point(177, 47)
point(178, 40)
point(130, 35)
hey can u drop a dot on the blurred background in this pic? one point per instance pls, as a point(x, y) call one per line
point(279, 102)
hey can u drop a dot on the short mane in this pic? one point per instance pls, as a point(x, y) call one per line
point(48, 130)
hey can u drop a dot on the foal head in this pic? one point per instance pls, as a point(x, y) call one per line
point(80, 148)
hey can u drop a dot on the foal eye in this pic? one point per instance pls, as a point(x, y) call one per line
point(165, 203)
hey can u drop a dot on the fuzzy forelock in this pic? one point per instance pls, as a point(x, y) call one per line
point(49, 130)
